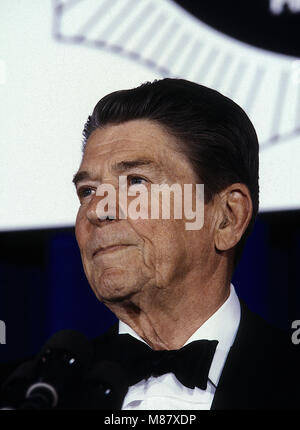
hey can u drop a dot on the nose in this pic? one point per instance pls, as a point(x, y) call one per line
point(99, 211)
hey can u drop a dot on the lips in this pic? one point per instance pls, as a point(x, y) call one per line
point(107, 249)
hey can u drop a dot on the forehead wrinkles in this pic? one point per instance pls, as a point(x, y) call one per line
point(139, 132)
point(109, 148)
point(123, 152)
point(119, 149)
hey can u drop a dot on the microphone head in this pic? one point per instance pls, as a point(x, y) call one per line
point(104, 387)
point(14, 387)
point(72, 343)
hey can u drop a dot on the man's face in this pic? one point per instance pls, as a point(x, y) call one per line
point(136, 259)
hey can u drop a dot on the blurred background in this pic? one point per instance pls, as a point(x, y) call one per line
point(57, 59)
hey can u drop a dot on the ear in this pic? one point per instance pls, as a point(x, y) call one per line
point(234, 214)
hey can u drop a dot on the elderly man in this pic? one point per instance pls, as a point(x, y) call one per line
point(184, 339)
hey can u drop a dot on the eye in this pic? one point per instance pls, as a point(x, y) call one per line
point(84, 192)
point(136, 180)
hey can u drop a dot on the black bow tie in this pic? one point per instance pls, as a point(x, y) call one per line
point(190, 364)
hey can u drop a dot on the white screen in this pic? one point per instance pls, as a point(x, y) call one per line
point(57, 59)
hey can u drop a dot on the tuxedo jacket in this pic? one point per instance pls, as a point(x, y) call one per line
point(261, 371)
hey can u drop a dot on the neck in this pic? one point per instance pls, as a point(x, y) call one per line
point(166, 318)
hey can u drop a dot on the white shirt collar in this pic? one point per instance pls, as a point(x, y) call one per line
point(221, 326)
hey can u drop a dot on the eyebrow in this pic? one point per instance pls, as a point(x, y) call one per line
point(80, 176)
point(123, 166)
point(119, 167)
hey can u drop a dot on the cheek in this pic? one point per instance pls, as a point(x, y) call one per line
point(80, 229)
point(162, 239)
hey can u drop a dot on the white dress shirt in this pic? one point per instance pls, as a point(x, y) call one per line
point(165, 391)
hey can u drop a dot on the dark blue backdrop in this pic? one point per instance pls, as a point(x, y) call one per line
point(44, 289)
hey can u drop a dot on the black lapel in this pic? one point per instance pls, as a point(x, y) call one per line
point(231, 383)
point(258, 371)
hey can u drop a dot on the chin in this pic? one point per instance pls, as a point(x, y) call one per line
point(114, 285)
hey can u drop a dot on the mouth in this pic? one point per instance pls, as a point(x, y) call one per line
point(108, 249)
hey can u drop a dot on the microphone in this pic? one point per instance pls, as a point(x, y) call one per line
point(14, 387)
point(54, 378)
point(104, 387)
